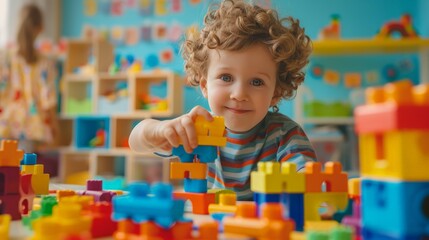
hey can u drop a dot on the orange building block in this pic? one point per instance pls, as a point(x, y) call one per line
point(127, 230)
point(333, 177)
point(10, 155)
point(200, 201)
point(179, 170)
point(65, 193)
point(227, 204)
point(270, 225)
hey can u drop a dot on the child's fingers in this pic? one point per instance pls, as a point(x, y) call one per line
point(171, 136)
point(198, 110)
point(181, 132)
point(191, 134)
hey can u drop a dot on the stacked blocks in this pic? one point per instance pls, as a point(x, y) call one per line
point(10, 178)
point(300, 193)
point(157, 214)
point(193, 168)
point(393, 129)
point(269, 225)
point(95, 188)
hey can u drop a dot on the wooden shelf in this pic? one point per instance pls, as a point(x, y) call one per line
point(368, 46)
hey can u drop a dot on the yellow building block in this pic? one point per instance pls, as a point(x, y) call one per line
point(313, 202)
point(325, 225)
point(4, 226)
point(401, 155)
point(354, 187)
point(39, 179)
point(227, 204)
point(83, 201)
point(179, 170)
point(210, 133)
point(66, 219)
point(271, 177)
point(10, 155)
point(218, 192)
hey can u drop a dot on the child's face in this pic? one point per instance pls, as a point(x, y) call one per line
point(240, 85)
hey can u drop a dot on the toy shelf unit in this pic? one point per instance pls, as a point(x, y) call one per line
point(337, 47)
point(77, 95)
point(111, 94)
point(149, 96)
point(121, 128)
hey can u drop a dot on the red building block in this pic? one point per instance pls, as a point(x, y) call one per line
point(9, 180)
point(102, 223)
point(27, 194)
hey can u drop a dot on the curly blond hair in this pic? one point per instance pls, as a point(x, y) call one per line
point(234, 25)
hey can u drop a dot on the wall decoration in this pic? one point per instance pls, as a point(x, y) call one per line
point(90, 7)
point(331, 77)
point(372, 77)
point(194, 1)
point(130, 3)
point(316, 71)
point(166, 55)
point(131, 36)
point(145, 8)
point(161, 7)
point(152, 61)
point(390, 72)
point(116, 8)
point(352, 80)
point(146, 32)
point(176, 5)
point(160, 31)
point(175, 32)
point(117, 35)
point(105, 7)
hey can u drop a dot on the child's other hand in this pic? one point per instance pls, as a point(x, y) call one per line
point(181, 129)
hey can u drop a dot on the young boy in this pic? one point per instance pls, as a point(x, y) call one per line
point(245, 61)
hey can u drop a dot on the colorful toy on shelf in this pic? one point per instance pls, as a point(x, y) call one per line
point(403, 26)
point(100, 138)
point(333, 30)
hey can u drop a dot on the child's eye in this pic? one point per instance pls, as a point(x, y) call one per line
point(226, 78)
point(257, 82)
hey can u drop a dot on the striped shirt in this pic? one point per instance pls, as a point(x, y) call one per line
point(275, 138)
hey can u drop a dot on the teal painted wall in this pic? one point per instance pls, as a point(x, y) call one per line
point(359, 19)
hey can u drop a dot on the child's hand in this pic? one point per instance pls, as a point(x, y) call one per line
point(181, 129)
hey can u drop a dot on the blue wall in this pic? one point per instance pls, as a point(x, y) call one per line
point(359, 19)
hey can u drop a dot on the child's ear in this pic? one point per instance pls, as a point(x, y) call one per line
point(203, 87)
point(274, 101)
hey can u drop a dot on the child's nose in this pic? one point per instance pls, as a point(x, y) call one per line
point(239, 93)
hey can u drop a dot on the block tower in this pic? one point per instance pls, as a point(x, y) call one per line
point(393, 129)
point(193, 167)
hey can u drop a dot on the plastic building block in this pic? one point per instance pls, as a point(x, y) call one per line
point(293, 204)
point(270, 225)
point(325, 225)
point(65, 193)
point(227, 204)
point(261, 198)
point(29, 159)
point(369, 234)
point(354, 188)
point(180, 170)
point(395, 208)
point(272, 177)
point(39, 180)
point(4, 226)
point(84, 202)
point(27, 194)
point(313, 201)
point(10, 155)
point(66, 221)
point(102, 224)
point(395, 154)
point(9, 180)
point(95, 188)
point(339, 215)
point(195, 185)
point(11, 205)
point(218, 192)
point(46, 206)
point(333, 177)
point(204, 154)
point(334, 233)
point(355, 220)
point(200, 201)
point(210, 133)
point(138, 206)
point(126, 230)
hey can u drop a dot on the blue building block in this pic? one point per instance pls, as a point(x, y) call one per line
point(206, 154)
point(371, 235)
point(86, 129)
point(293, 204)
point(218, 217)
point(29, 159)
point(261, 198)
point(195, 185)
point(395, 208)
point(139, 206)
